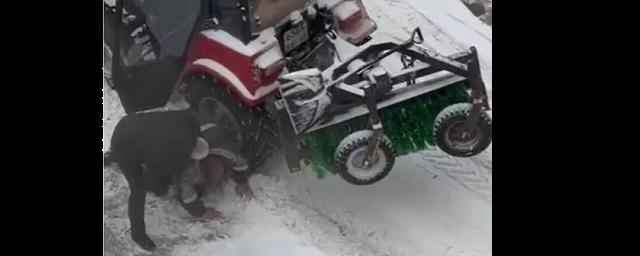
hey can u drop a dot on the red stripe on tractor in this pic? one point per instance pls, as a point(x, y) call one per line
point(204, 48)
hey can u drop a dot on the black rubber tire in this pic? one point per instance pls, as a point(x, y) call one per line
point(258, 129)
point(455, 114)
point(359, 140)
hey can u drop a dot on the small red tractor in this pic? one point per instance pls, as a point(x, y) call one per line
point(267, 69)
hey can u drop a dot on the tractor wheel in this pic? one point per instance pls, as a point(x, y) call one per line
point(256, 130)
point(450, 136)
point(350, 156)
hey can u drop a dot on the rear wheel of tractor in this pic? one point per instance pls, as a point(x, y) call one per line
point(350, 157)
point(256, 129)
point(450, 136)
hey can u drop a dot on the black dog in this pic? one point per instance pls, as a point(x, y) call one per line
point(152, 150)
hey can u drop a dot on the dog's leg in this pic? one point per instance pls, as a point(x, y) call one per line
point(134, 175)
point(155, 181)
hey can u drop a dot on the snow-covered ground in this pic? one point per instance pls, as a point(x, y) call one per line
point(430, 204)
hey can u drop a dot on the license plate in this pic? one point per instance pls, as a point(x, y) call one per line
point(295, 36)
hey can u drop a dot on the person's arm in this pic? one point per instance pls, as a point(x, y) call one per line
point(187, 195)
point(240, 171)
point(241, 175)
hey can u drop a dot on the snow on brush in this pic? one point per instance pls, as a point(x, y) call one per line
point(430, 204)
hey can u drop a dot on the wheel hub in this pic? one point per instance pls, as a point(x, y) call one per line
point(458, 137)
point(359, 160)
point(357, 168)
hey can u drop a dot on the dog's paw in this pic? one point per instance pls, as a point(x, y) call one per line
point(145, 242)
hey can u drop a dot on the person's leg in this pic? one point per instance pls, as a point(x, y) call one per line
point(189, 198)
point(224, 146)
point(239, 170)
point(213, 169)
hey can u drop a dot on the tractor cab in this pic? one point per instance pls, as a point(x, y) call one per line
point(160, 43)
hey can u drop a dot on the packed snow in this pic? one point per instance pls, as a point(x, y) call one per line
point(447, 25)
point(265, 40)
point(430, 204)
point(346, 10)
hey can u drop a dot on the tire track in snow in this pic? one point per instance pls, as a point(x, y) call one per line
point(472, 173)
point(460, 46)
point(398, 18)
point(376, 11)
point(419, 19)
point(486, 67)
point(466, 25)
